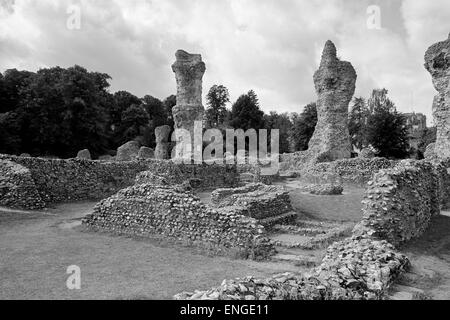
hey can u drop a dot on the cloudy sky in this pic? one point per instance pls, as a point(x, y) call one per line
point(270, 46)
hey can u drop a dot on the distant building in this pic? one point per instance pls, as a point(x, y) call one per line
point(416, 124)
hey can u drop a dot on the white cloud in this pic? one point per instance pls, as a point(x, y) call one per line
point(271, 46)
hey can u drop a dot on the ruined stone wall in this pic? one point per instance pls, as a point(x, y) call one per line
point(437, 63)
point(401, 201)
point(257, 200)
point(200, 176)
point(352, 269)
point(171, 213)
point(335, 84)
point(17, 188)
point(60, 180)
point(356, 171)
point(399, 204)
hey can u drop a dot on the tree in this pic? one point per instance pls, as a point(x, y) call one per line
point(254, 98)
point(123, 100)
point(158, 116)
point(216, 100)
point(156, 110)
point(134, 121)
point(169, 103)
point(303, 127)
point(10, 85)
point(386, 128)
point(357, 124)
point(62, 111)
point(10, 140)
point(245, 114)
point(281, 122)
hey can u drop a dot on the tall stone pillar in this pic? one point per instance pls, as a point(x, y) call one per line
point(162, 142)
point(335, 85)
point(189, 70)
point(437, 62)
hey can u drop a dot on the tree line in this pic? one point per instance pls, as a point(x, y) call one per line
point(58, 111)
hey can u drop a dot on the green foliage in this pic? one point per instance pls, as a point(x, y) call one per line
point(62, 111)
point(216, 100)
point(281, 122)
point(134, 121)
point(10, 85)
point(357, 124)
point(245, 114)
point(386, 128)
point(303, 126)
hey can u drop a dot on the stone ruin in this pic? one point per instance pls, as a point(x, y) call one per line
point(162, 142)
point(189, 70)
point(128, 151)
point(437, 62)
point(84, 154)
point(335, 85)
point(146, 153)
point(175, 214)
point(268, 204)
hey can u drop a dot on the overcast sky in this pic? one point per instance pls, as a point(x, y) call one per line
point(270, 46)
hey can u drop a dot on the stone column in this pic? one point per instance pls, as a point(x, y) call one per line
point(162, 142)
point(437, 62)
point(189, 70)
point(335, 85)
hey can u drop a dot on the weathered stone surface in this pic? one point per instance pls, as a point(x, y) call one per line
point(437, 62)
point(60, 180)
point(429, 151)
point(189, 70)
point(356, 171)
point(84, 154)
point(366, 153)
point(128, 151)
point(146, 153)
point(356, 269)
point(324, 189)
point(106, 157)
point(202, 176)
point(400, 202)
point(254, 200)
point(335, 85)
point(174, 214)
point(17, 188)
point(162, 142)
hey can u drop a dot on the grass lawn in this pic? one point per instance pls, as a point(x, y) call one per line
point(37, 248)
point(346, 207)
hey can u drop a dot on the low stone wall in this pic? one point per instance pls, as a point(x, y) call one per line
point(151, 210)
point(357, 171)
point(255, 200)
point(401, 201)
point(59, 180)
point(17, 188)
point(201, 176)
point(353, 269)
point(324, 189)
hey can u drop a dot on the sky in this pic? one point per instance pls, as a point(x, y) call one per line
point(270, 46)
